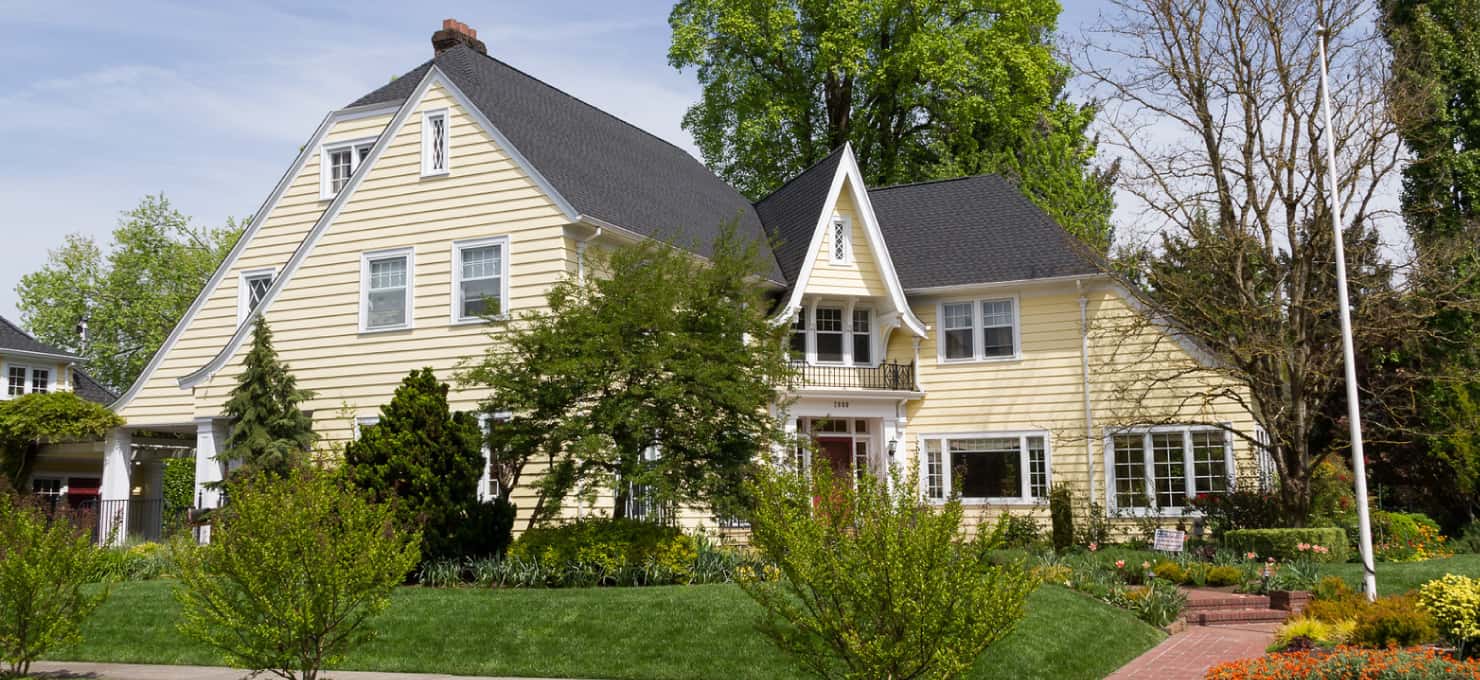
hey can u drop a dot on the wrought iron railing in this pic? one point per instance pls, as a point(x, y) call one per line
point(889, 375)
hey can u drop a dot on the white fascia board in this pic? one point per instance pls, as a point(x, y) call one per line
point(967, 288)
point(848, 169)
point(309, 150)
point(434, 77)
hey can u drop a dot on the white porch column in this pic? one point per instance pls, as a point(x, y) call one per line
point(116, 486)
point(210, 438)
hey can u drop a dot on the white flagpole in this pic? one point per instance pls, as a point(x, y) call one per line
point(1353, 413)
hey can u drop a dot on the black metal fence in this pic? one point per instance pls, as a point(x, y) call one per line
point(889, 375)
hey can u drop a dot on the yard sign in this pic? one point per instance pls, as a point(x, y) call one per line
point(1169, 540)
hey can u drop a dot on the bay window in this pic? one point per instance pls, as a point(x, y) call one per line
point(833, 335)
point(1161, 468)
point(863, 337)
point(829, 334)
point(1012, 468)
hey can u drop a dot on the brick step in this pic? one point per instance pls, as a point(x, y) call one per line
point(1235, 616)
point(1198, 604)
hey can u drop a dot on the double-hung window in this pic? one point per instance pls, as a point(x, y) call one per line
point(434, 142)
point(829, 332)
point(339, 162)
point(1161, 468)
point(386, 290)
point(979, 330)
point(1012, 468)
point(799, 336)
point(253, 289)
point(22, 380)
point(863, 338)
point(479, 277)
point(842, 240)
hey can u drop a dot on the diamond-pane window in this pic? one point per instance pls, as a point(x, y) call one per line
point(434, 143)
point(840, 240)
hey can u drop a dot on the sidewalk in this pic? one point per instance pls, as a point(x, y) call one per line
point(1189, 654)
point(120, 671)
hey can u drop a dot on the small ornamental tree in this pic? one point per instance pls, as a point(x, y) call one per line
point(29, 422)
point(297, 565)
point(429, 459)
point(873, 582)
point(269, 433)
point(44, 562)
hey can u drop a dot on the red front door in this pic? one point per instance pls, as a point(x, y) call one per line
point(838, 453)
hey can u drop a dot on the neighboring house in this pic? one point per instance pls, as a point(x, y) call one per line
point(945, 326)
point(65, 472)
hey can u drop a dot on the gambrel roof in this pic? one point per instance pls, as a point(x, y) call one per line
point(603, 166)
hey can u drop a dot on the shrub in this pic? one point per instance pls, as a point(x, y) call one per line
point(1284, 544)
point(1468, 540)
point(1225, 576)
point(45, 558)
point(1454, 603)
point(1332, 588)
point(428, 459)
point(1061, 512)
point(1393, 620)
point(296, 567)
point(1406, 537)
point(606, 548)
point(873, 583)
point(1158, 604)
point(1320, 632)
point(1170, 571)
point(1020, 531)
point(1238, 509)
point(1346, 663)
point(1096, 529)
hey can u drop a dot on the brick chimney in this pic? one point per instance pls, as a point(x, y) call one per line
point(456, 33)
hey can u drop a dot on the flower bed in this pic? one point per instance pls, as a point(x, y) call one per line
point(1349, 663)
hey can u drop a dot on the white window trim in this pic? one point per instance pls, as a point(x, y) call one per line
point(977, 330)
point(486, 489)
point(326, 173)
point(361, 422)
point(426, 142)
point(809, 352)
point(244, 295)
point(63, 483)
point(1189, 471)
point(503, 303)
point(1024, 466)
point(53, 384)
point(365, 259)
point(832, 245)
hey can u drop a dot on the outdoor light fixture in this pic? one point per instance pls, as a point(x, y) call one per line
point(893, 444)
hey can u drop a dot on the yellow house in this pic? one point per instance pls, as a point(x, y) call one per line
point(947, 326)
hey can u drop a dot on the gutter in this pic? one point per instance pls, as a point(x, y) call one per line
point(1089, 415)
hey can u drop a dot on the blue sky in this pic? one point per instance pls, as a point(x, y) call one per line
point(208, 102)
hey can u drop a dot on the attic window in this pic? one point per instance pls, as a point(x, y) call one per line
point(842, 249)
point(254, 286)
point(434, 144)
point(339, 162)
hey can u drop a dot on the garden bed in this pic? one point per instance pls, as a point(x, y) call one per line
point(656, 632)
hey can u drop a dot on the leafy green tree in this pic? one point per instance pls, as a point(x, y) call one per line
point(29, 422)
point(297, 566)
point(269, 432)
point(873, 583)
point(132, 297)
point(44, 562)
point(656, 352)
point(923, 90)
point(429, 459)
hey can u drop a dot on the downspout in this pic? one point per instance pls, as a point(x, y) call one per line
point(581, 254)
point(1089, 414)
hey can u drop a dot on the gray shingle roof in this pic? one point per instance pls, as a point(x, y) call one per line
point(12, 337)
point(87, 388)
point(603, 166)
point(791, 212)
point(977, 229)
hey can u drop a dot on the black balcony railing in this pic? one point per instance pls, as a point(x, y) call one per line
point(889, 375)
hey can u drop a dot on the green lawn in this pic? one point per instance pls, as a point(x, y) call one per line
point(1394, 578)
point(672, 632)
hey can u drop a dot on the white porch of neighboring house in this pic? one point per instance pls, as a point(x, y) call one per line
point(130, 500)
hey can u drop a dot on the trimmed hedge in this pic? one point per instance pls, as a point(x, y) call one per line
point(610, 546)
point(1282, 543)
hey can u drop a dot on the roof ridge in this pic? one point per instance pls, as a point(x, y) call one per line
point(980, 175)
point(583, 102)
point(799, 175)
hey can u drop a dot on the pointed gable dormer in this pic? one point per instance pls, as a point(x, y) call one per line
point(829, 244)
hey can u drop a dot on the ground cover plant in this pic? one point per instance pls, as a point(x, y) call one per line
point(689, 632)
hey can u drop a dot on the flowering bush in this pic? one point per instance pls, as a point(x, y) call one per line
point(1406, 537)
point(1239, 509)
point(1454, 602)
point(1347, 663)
point(1285, 544)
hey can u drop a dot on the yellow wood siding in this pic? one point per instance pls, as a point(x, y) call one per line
point(160, 400)
point(860, 275)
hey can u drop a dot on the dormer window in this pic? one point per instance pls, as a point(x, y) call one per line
point(434, 143)
point(339, 162)
point(842, 246)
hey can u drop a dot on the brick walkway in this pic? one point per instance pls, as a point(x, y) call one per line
point(1189, 654)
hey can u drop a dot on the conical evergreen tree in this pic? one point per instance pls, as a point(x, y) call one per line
point(429, 459)
point(269, 433)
